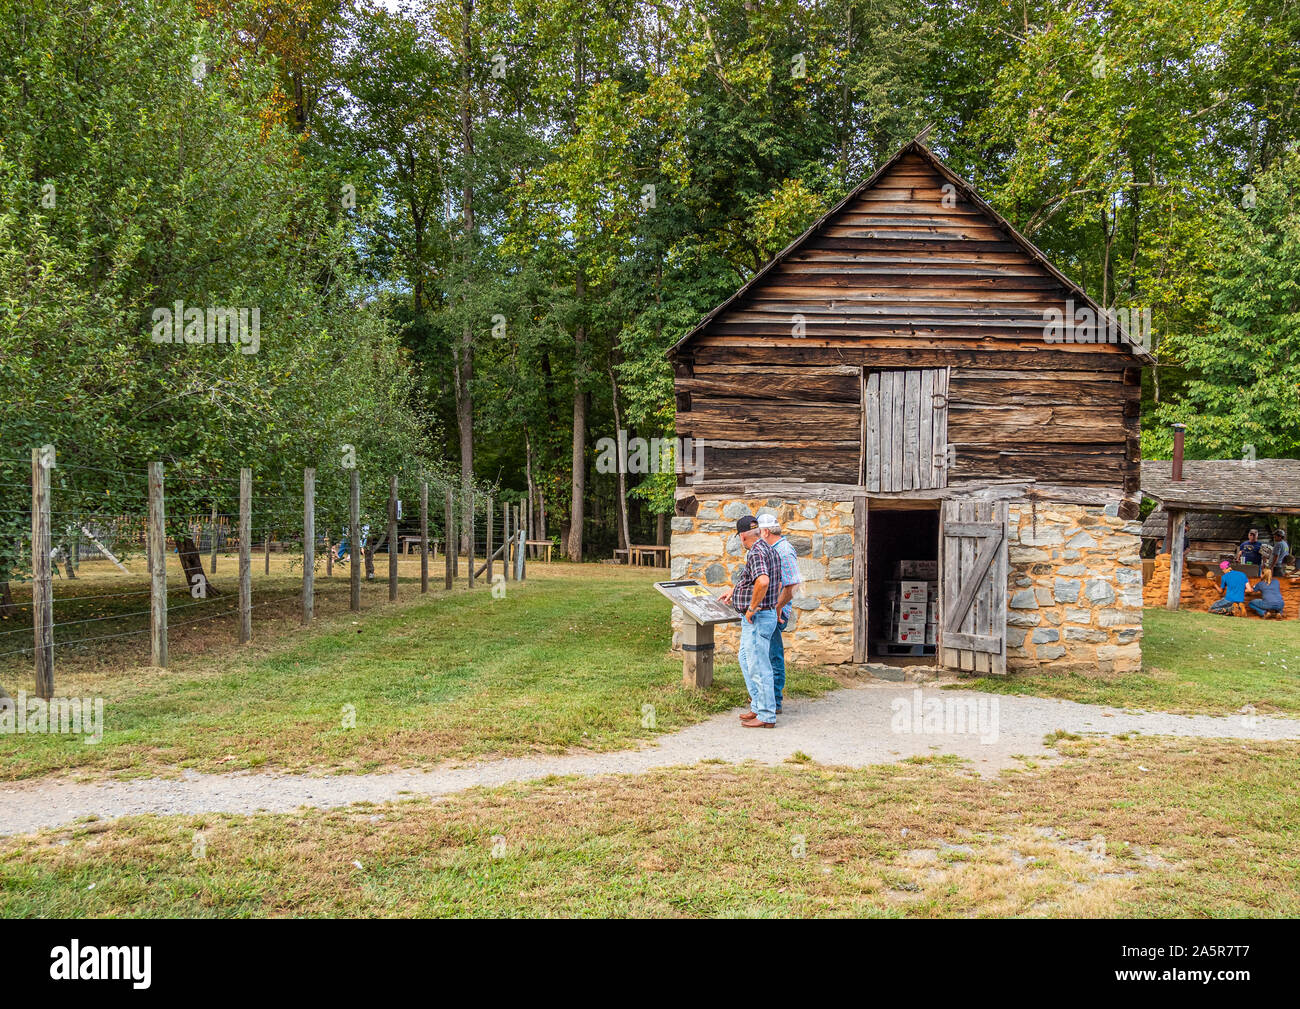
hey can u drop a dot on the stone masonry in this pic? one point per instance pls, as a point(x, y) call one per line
point(705, 546)
point(1074, 598)
point(1074, 577)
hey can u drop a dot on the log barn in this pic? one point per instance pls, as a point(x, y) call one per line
point(890, 387)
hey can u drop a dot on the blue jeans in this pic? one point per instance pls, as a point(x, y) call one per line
point(756, 662)
point(777, 656)
point(1258, 606)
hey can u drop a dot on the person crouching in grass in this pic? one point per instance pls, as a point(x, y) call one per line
point(1233, 588)
point(1270, 603)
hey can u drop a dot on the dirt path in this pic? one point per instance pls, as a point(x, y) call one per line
point(855, 727)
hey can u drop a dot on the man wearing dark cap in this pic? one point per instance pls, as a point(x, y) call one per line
point(755, 593)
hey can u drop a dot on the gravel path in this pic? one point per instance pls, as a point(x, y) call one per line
point(855, 727)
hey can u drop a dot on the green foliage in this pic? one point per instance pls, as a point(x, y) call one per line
point(166, 175)
point(1245, 393)
point(628, 165)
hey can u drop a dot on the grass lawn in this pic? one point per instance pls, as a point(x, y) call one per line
point(1192, 662)
point(566, 660)
point(1120, 828)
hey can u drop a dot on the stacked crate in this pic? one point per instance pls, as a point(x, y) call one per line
point(912, 599)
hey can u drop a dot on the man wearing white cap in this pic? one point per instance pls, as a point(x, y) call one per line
point(770, 530)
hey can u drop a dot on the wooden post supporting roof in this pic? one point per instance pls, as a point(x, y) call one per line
point(1179, 519)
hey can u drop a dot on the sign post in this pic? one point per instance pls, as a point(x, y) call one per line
point(703, 612)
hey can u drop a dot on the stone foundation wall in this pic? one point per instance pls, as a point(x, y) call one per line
point(1075, 588)
point(1074, 579)
point(705, 546)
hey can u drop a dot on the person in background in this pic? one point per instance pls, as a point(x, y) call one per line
point(756, 590)
point(1281, 550)
point(770, 530)
point(1248, 549)
point(1232, 586)
point(1269, 589)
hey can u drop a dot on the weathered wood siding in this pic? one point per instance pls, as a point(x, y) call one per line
point(898, 280)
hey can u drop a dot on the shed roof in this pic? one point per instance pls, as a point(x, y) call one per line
point(1212, 526)
point(1259, 486)
point(966, 190)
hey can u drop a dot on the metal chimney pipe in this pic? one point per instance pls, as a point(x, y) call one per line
point(1178, 451)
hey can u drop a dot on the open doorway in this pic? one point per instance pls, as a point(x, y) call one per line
point(902, 582)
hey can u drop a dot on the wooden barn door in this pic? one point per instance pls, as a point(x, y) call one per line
point(973, 593)
point(904, 429)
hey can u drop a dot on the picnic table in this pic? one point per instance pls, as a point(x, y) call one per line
point(641, 551)
point(541, 543)
point(406, 542)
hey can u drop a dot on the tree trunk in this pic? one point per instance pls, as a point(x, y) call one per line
point(7, 606)
point(192, 566)
point(573, 547)
point(465, 359)
point(659, 529)
point(371, 548)
point(624, 534)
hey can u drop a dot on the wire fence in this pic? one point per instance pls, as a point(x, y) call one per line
point(234, 553)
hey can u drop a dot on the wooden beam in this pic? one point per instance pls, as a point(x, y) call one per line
point(308, 545)
point(697, 654)
point(354, 542)
point(158, 568)
point(489, 513)
point(42, 586)
point(449, 539)
point(1176, 560)
point(424, 536)
point(392, 539)
point(245, 555)
point(860, 587)
point(212, 564)
point(469, 533)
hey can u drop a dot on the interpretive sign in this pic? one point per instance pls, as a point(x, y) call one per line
point(697, 602)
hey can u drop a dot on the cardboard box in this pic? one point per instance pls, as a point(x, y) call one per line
point(931, 634)
point(916, 569)
point(910, 634)
point(912, 616)
point(913, 592)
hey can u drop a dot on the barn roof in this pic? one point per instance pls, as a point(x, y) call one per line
point(914, 147)
point(1201, 526)
point(1258, 486)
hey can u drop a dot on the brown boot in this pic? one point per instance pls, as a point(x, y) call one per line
point(747, 716)
point(754, 723)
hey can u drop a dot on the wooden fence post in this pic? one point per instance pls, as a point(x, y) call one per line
point(519, 555)
point(521, 523)
point(491, 514)
point(212, 564)
point(158, 568)
point(266, 547)
point(469, 534)
point(505, 539)
point(424, 536)
point(42, 588)
point(449, 540)
point(245, 555)
point(329, 553)
point(308, 545)
point(392, 539)
point(354, 543)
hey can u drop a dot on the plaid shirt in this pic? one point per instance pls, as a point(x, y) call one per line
point(762, 560)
